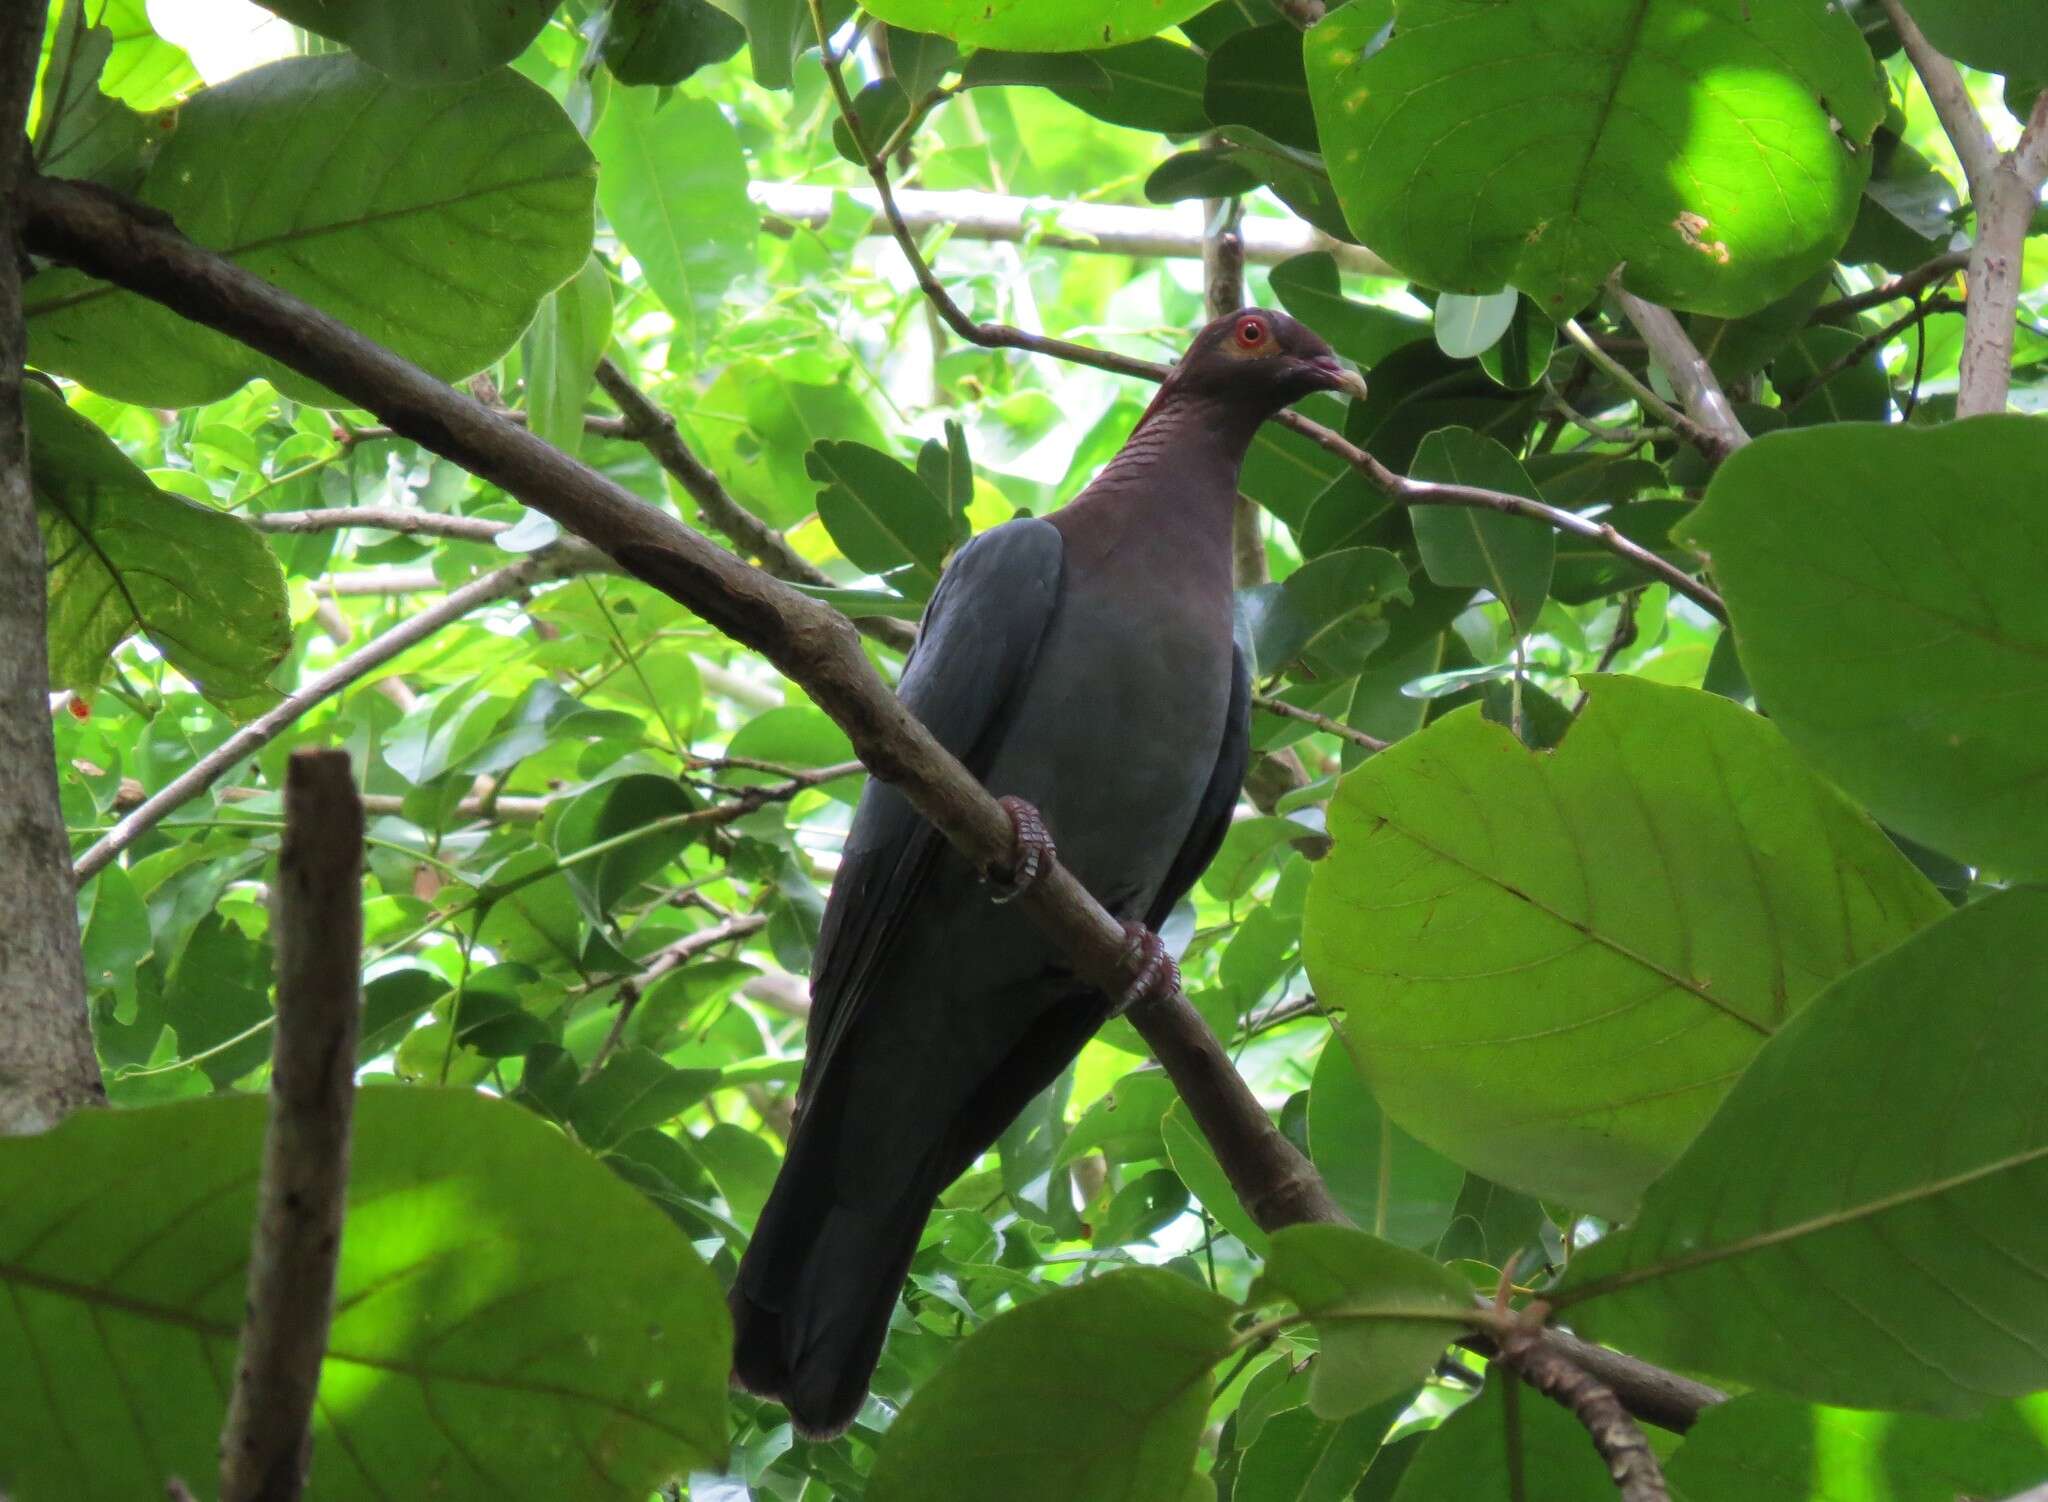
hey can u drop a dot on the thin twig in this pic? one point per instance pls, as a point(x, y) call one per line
point(556, 562)
point(657, 430)
point(659, 964)
point(1861, 350)
point(1904, 285)
point(1321, 722)
point(266, 1444)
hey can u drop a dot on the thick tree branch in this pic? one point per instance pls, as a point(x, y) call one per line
point(47, 1065)
point(1544, 1366)
point(812, 644)
point(266, 1445)
point(556, 562)
point(2005, 191)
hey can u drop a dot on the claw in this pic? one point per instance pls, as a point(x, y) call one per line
point(1031, 857)
point(1154, 975)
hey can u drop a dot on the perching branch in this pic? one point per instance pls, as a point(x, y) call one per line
point(663, 960)
point(383, 518)
point(2005, 191)
point(47, 1065)
point(266, 1445)
point(557, 562)
point(812, 644)
point(1397, 488)
point(1905, 284)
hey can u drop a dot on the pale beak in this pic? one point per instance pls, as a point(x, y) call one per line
point(1341, 377)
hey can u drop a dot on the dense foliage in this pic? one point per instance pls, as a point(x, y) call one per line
point(1677, 973)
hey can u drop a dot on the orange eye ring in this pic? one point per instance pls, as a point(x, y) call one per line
point(1251, 333)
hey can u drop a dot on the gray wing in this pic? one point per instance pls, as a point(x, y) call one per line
point(975, 651)
point(1219, 798)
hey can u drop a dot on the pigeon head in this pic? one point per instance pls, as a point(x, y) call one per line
point(1259, 359)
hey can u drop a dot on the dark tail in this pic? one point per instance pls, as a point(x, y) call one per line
point(812, 1301)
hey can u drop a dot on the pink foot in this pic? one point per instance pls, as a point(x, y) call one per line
point(1154, 975)
point(1031, 856)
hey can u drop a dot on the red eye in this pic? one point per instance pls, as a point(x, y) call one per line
point(1250, 333)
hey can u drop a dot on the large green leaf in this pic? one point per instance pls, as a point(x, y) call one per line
point(432, 220)
point(1712, 145)
point(1255, 78)
point(424, 41)
point(1037, 25)
point(1999, 36)
point(81, 131)
point(1551, 965)
point(1511, 556)
point(1095, 1393)
point(510, 1319)
point(1860, 1222)
point(1382, 1314)
point(665, 41)
point(1325, 615)
point(674, 186)
point(1760, 1445)
point(125, 557)
point(1885, 585)
point(1152, 85)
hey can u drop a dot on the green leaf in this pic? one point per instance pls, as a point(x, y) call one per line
point(1511, 556)
point(506, 1310)
point(1298, 1457)
point(124, 557)
point(1860, 392)
point(611, 812)
point(1552, 965)
point(1711, 145)
point(568, 337)
point(880, 107)
point(992, 67)
point(1307, 287)
point(1189, 1153)
point(1095, 1393)
point(1123, 1125)
point(1386, 1181)
point(424, 41)
point(1999, 36)
point(1255, 78)
point(1911, 557)
point(143, 71)
point(1327, 612)
point(1466, 327)
point(491, 174)
point(1518, 359)
point(636, 1089)
point(755, 428)
point(1153, 85)
point(673, 184)
point(880, 513)
point(1467, 1455)
point(1383, 1314)
point(1037, 25)
point(219, 990)
point(920, 60)
point(80, 131)
point(1204, 173)
point(664, 41)
point(1762, 1445)
point(1873, 1144)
